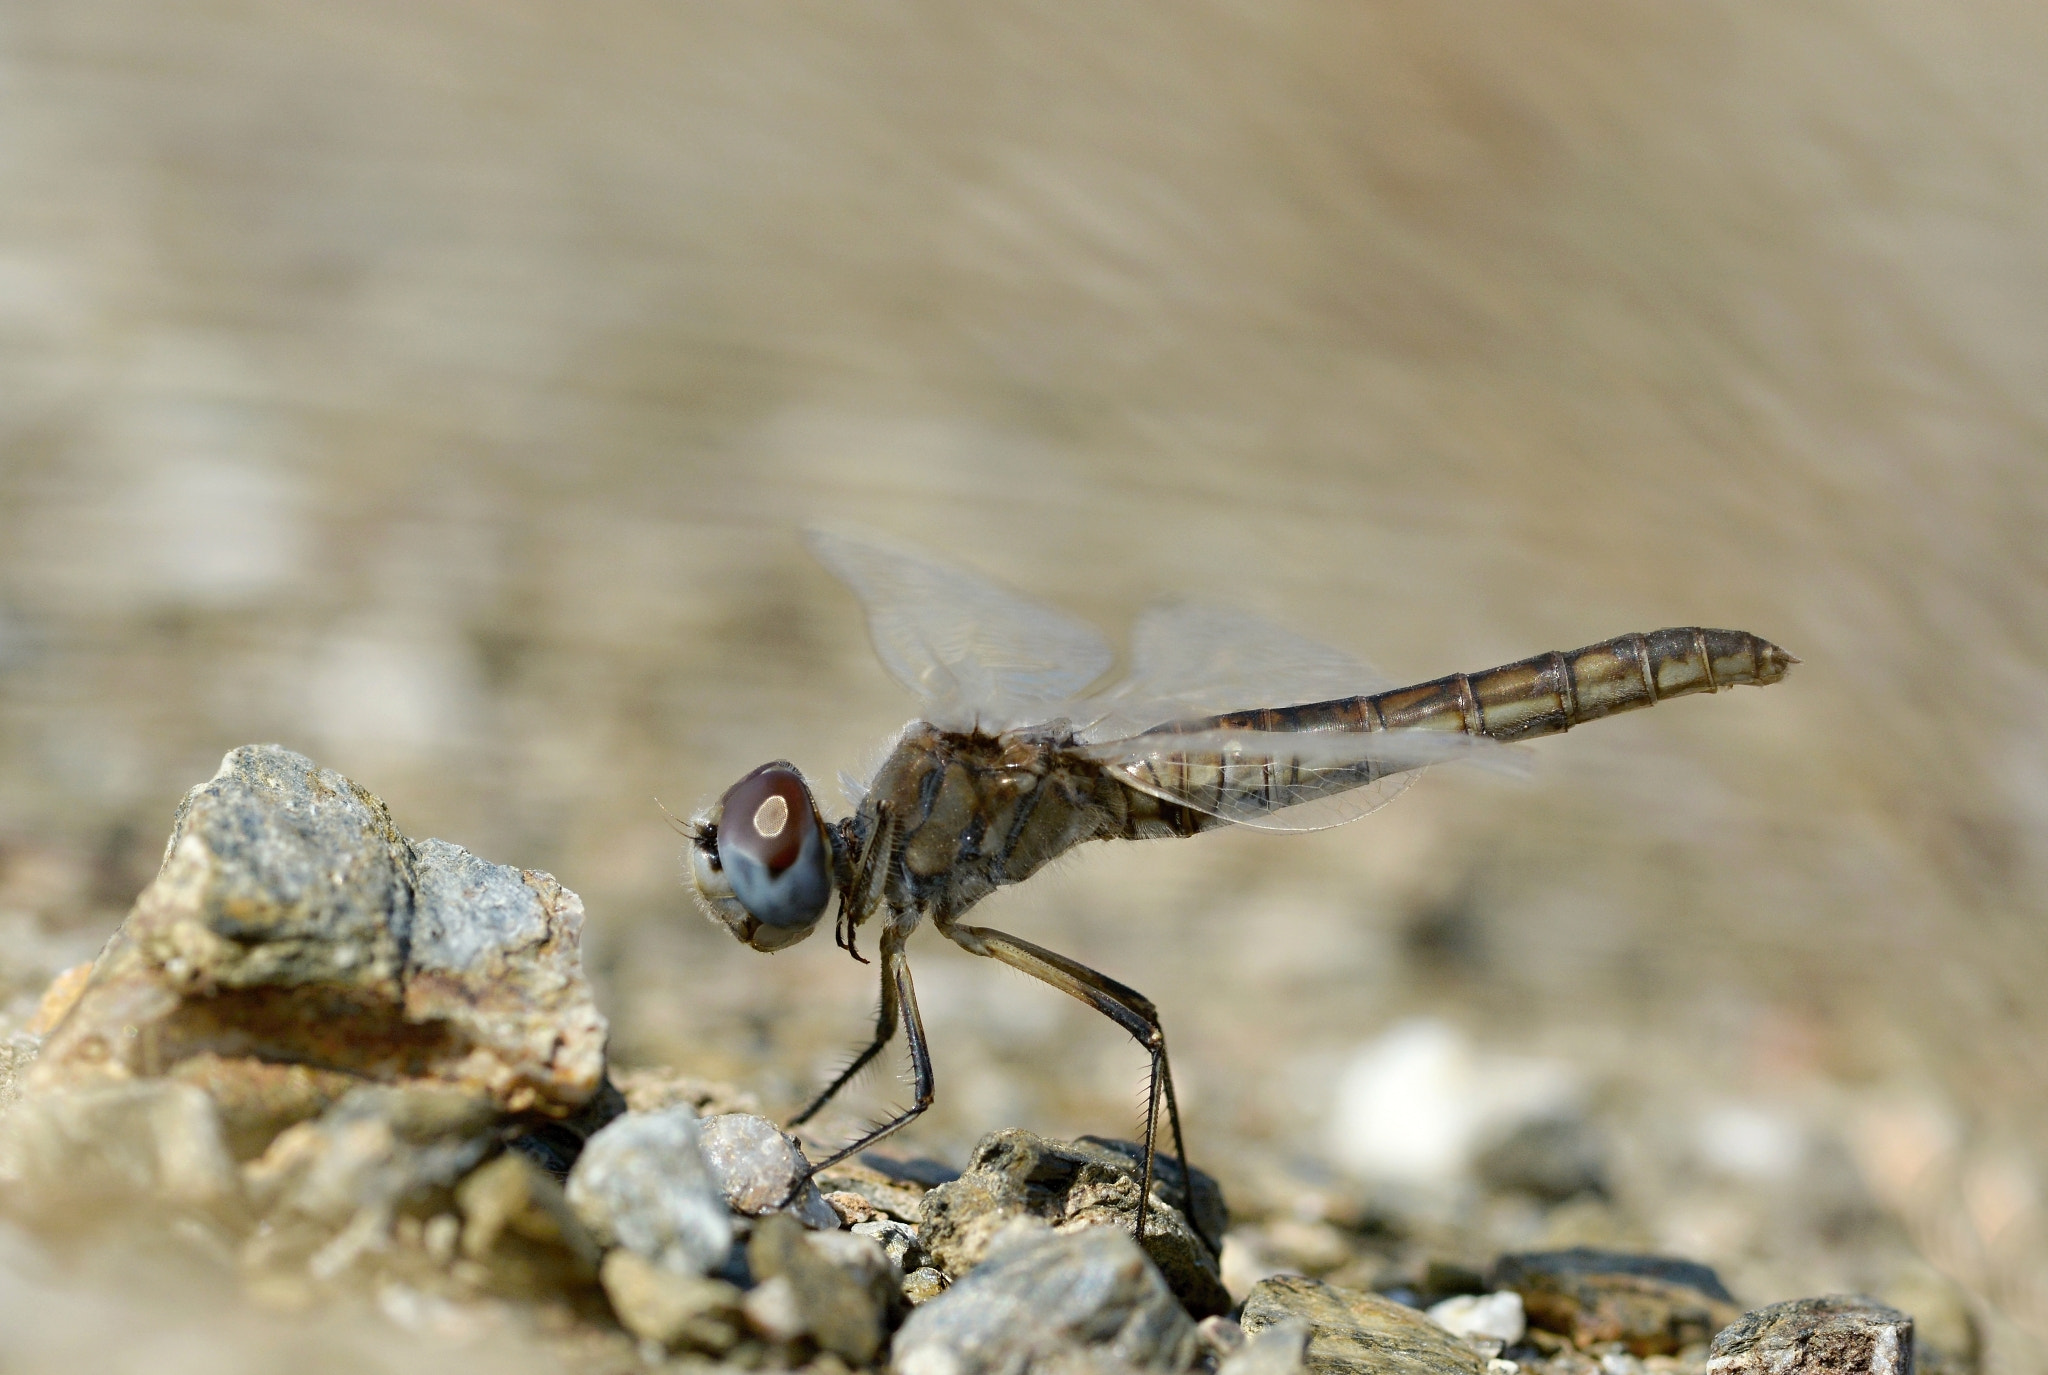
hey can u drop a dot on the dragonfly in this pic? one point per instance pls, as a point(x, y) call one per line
point(1018, 755)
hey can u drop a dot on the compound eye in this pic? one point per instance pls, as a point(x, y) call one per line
point(772, 846)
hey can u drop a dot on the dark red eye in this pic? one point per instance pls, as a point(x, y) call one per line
point(766, 816)
point(773, 850)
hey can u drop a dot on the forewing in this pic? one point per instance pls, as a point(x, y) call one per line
point(1289, 780)
point(1190, 660)
point(976, 652)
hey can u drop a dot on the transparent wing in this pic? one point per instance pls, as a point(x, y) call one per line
point(1289, 780)
point(1190, 660)
point(976, 652)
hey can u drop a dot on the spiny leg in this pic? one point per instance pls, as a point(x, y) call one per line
point(885, 1028)
point(1129, 1009)
point(896, 978)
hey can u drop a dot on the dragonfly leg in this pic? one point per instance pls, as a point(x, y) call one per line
point(899, 998)
point(885, 1029)
point(1129, 1009)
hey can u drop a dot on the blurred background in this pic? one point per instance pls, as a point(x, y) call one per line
point(438, 388)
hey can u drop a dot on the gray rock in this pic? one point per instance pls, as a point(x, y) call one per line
point(1042, 1301)
point(292, 924)
point(642, 1183)
point(894, 1188)
point(659, 1305)
point(1069, 1186)
point(1653, 1305)
point(1351, 1332)
point(840, 1288)
point(118, 1143)
point(1836, 1335)
point(898, 1241)
point(757, 1165)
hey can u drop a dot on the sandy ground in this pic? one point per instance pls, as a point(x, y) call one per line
point(438, 389)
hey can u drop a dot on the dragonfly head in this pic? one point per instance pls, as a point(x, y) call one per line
point(761, 859)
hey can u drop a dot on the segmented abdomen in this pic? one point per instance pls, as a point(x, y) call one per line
point(1544, 695)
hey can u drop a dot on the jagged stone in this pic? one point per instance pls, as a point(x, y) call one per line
point(1069, 1186)
point(1043, 1301)
point(841, 1287)
point(1841, 1334)
point(291, 923)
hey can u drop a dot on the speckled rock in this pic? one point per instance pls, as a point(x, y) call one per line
point(1069, 1186)
point(898, 1241)
point(895, 1188)
point(1351, 1332)
point(291, 923)
point(841, 1288)
point(1653, 1305)
point(757, 1165)
point(642, 1183)
point(1837, 1335)
point(1042, 1301)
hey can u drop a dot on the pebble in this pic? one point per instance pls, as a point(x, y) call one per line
point(756, 1165)
point(898, 1241)
point(293, 924)
point(659, 1305)
point(1552, 1159)
point(1352, 1332)
point(894, 1187)
point(1496, 1317)
point(1836, 1335)
point(841, 1288)
point(922, 1285)
point(1068, 1186)
point(518, 1222)
point(642, 1183)
point(1652, 1305)
point(1042, 1299)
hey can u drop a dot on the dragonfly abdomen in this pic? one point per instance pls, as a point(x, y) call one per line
point(1553, 692)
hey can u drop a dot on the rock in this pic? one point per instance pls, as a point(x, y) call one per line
point(898, 1241)
point(291, 923)
point(517, 1221)
point(1551, 1159)
point(1653, 1305)
point(652, 1088)
point(1493, 1317)
point(258, 1098)
point(840, 1287)
point(1946, 1340)
point(852, 1208)
point(1042, 1300)
point(1281, 1349)
point(1068, 1185)
point(896, 1188)
point(1837, 1335)
point(756, 1165)
point(642, 1184)
point(922, 1285)
point(118, 1143)
point(355, 1165)
point(657, 1304)
point(1351, 1332)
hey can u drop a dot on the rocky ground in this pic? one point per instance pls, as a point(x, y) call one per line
point(325, 1071)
